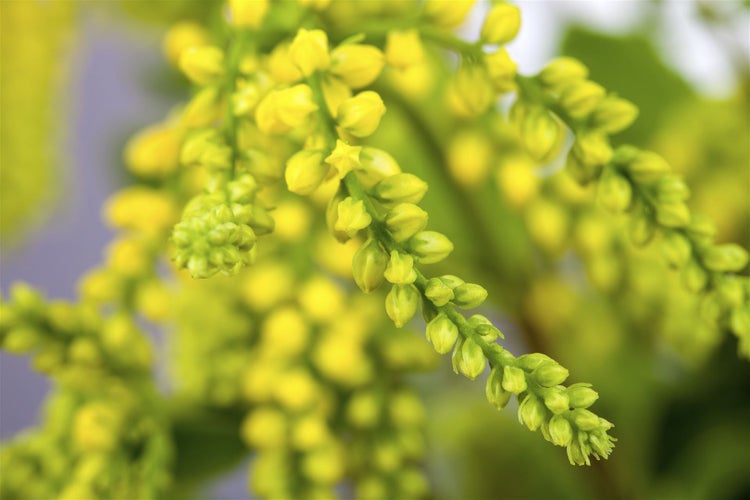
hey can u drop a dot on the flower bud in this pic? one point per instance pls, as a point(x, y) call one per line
point(375, 165)
point(671, 189)
point(585, 420)
point(400, 270)
point(501, 70)
point(401, 304)
point(203, 65)
point(593, 151)
point(579, 99)
point(613, 115)
point(563, 71)
point(203, 109)
point(701, 228)
point(496, 395)
point(614, 191)
point(442, 333)
point(581, 395)
point(673, 214)
point(646, 167)
point(550, 374)
point(532, 412)
point(403, 49)
point(676, 249)
point(471, 360)
point(469, 295)
point(641, 229)
point(694, 277)
point(309, 51)
point(729, 257)
point(247, 13)
point(283, 110)
point(739, 321)
point(305, 171)
point(541, 134)
point(405, 220)
point(530, 362)
point(360, 115)
point(471, 91)
point(501, 24)
point(357, 65)
point(560, 431)
point(400, 188)
point(21, 340)
point(368, 266)
point(352, 216)
point(430, 246)
point(181, 36)
point(438, 292)
point(344, 158)
point(448, 14)
point(514, 379)
point(335, 92)
point(556, 400)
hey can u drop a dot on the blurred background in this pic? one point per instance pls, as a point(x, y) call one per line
point(681, 404)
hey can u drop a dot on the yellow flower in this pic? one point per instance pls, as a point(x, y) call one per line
point(358, 65)
point(344, 158)
point(501, 24)
point(309, 51)
point(360, 115)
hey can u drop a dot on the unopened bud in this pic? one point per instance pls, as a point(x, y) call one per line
point(471, 360)
point(400, 270)
point(203, 65)
point(344, 158)
point(671, 189)
point(725, 258)
point(560, 431)
point(556, 400)
point(496, 395)
point(309, 51)
point(694, 277)
point(247, 13)
point(562, 72)
point(501, 70)
point(375, 165)
point(613, 115)
point(581, 395)
point(442, 333)
point(403, 49)
point(357, 65)
point(501, 24)
point(438, 292)
point(305, 171)
point(585, 420)
point(400, 188)
point(532, 412)
point(641, 229)
point(430, 246)
point(614, 192)
point(541, 134)
point(469, 295)
point(514, 379)
point(673, 214)
point(405, 220)
point(401, 304)
point(360, 115)
point(579, 99)
point(368, 266)
point(550, 374)
point(676, 249)
point(352, 217)
point(447, 14)
point(646, 167)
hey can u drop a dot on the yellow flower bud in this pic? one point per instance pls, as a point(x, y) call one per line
point(344, 158)
point(305, 171)
point(335, 92)
point(729, 257)
point(514, 379)
point(675, 214)
point(310, 432)
point(613, 115)
point(401, 304)
point(614, 191)
point(403, 49)
point(496, 394)
point(470, 93)
point(647, 167)
point(285, 330)
point(141, 209)
point(439, 292)
point(401, 188)
point(400, 270)
point(280, 65)
point(96, 427)
point(309, 51)
point(356, 64)
point(248, 13)
point(469, 359)
point(579, 99)
point(154, 152)
point(501, 70)
point(541, 134)
point(430, 246)
point(282, 110)
point(501, 24)
point(182, 36)
point(360, 115)
point(405, 220)
point(264, 428)
point(368, 266)
point(468, 157)
point(352, 217)
point(593, 152)
point(375, 165)
point(321, 299)
point(447, 13)
point(324, 465)
point(442, 333)
point(204, 108)
point(563, 71)
point(203, 65)
point(297, 390)
point(517, 180)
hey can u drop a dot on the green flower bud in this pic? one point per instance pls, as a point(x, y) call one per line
point(442, 333)
point(514, 379)
point(593, 151)
point(729, 257)
point(676, 249)
point(550, 374)
point(305, 171)
point(560, 431)
point(646, 167)
point(501, 70)
point(613, 115)
point(451, 280)
point(614, 192)
point(739, 321)
point(585, 420)
point(375, 165)
point(673, 214)
point(501, 24)
point(400, 188)
point(556, 400)
point(530, 362)
point(405, 220)
point(332, 215)
point(438, 292)
point(471, 91)
point(580, 98)
point(400, 270)
point(401, 304)
point(641, 229)
point(701, 229)
point(541, 133)
point(563, 71)
point(670, 189)
point(532, 412)
point(471, 361)
point(694, 277)
point(352, 217)
point(581, 395)
point(469, 295)
point(430, 246)
point(730, 290)
point(496, 395)
point(484, 328)
point(368, 266)
point(21, 340)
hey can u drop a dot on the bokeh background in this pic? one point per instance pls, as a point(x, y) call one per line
point(685, 63)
